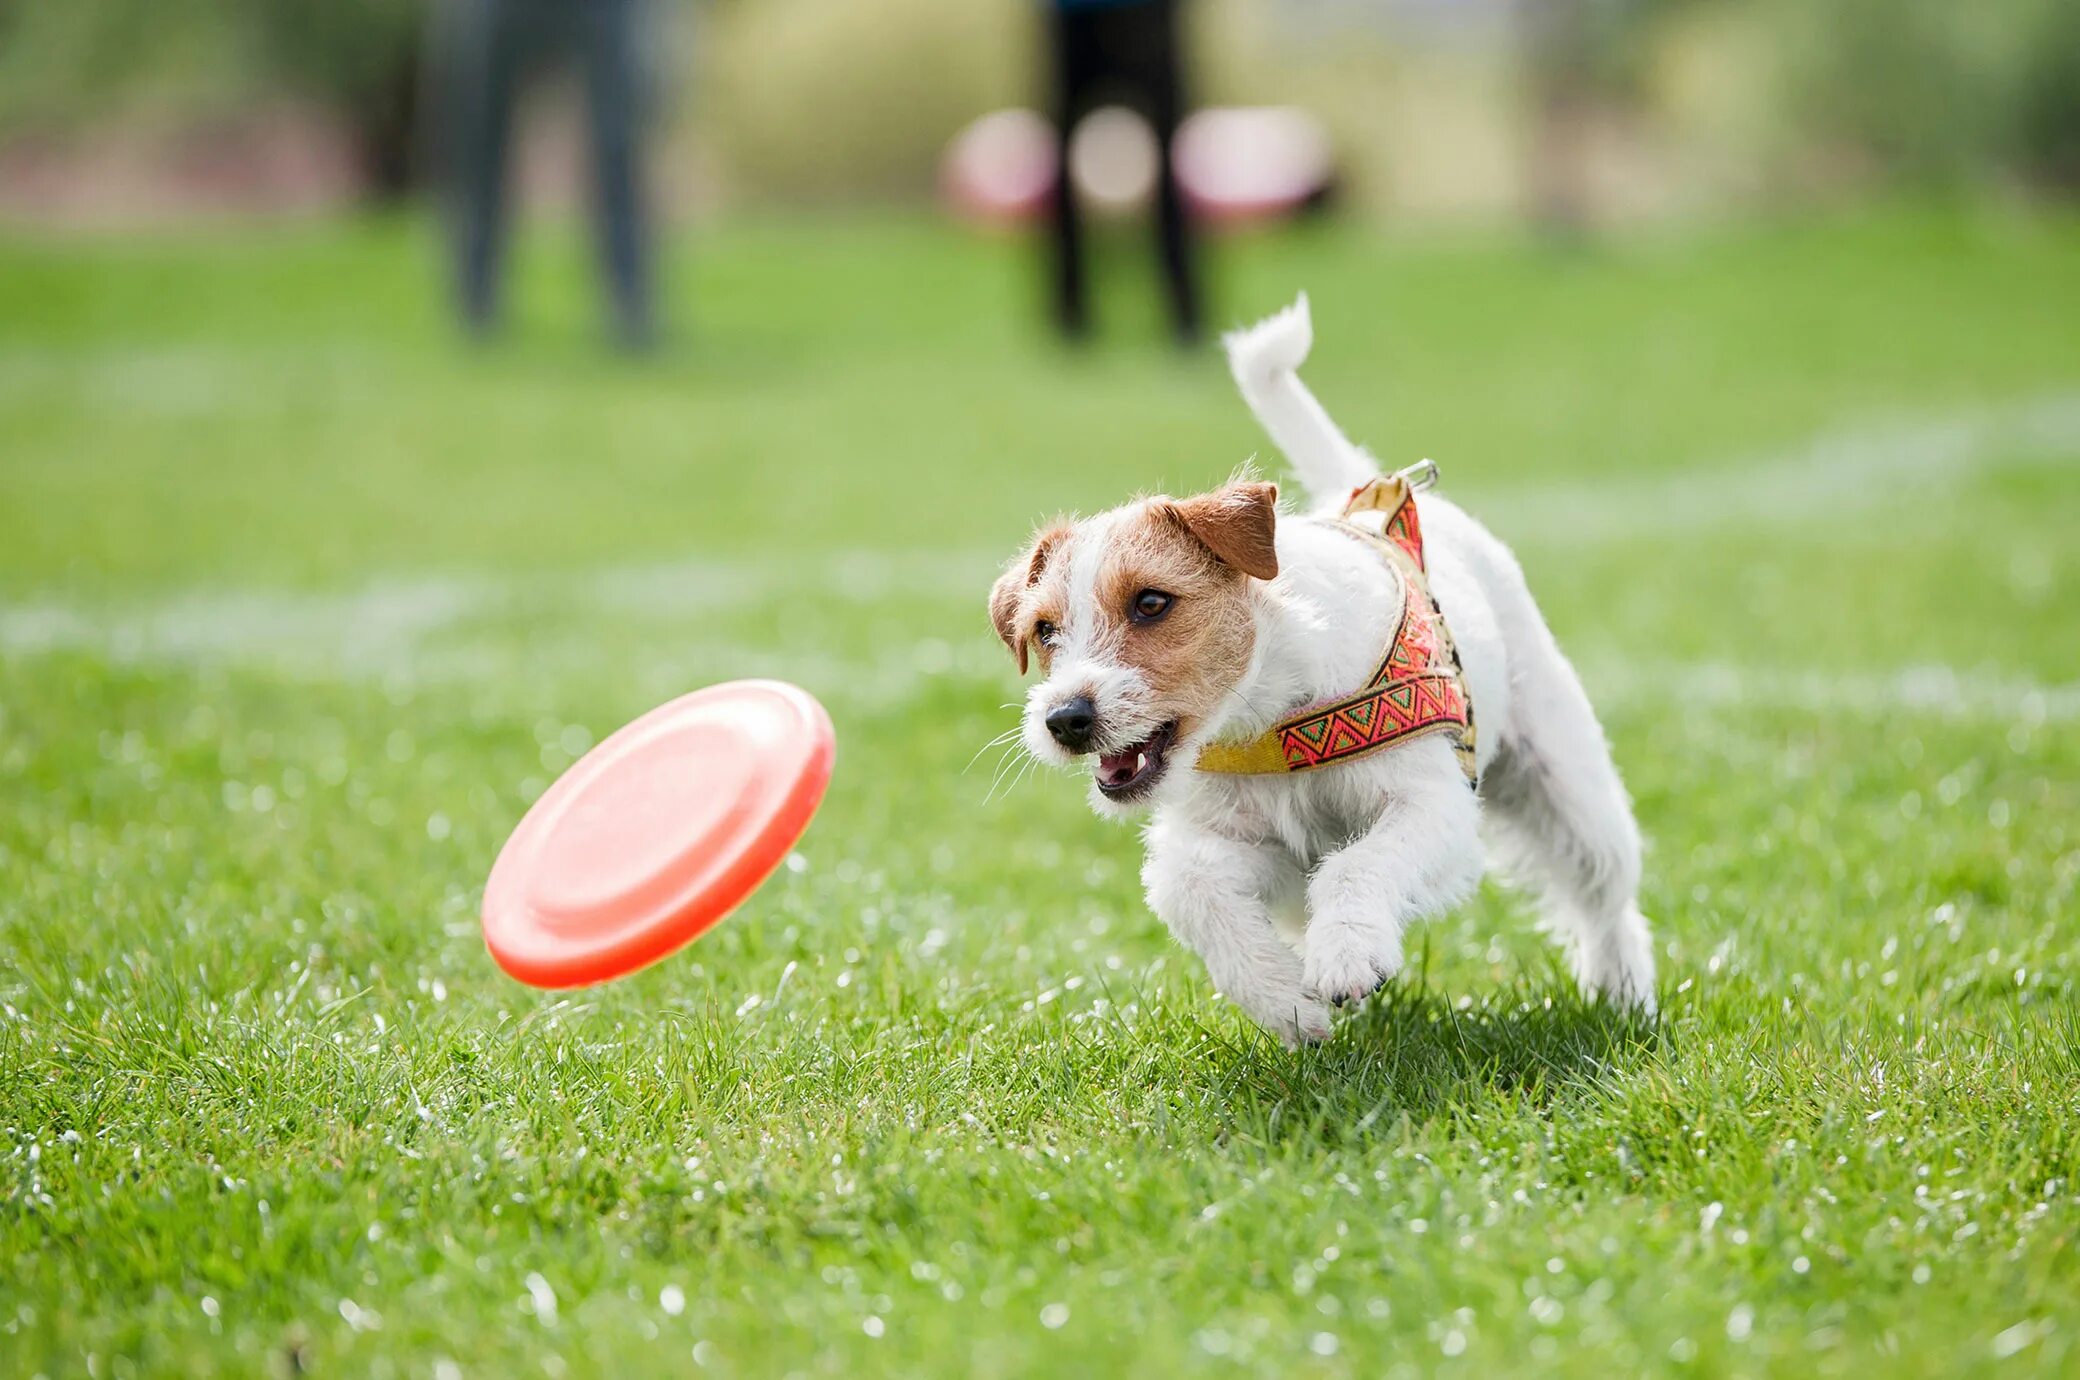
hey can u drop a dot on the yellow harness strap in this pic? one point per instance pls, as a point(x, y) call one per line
point(1418, 688)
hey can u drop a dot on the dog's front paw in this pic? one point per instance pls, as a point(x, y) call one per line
point(1625, 981)
point(1305, 1022)
point(1617, 965)
point(1292, 1015)
point(1348, 962)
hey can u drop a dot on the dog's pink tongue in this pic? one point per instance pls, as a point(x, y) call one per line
point(1117, 769)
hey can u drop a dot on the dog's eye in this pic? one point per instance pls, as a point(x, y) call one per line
point(1044, 633)
point(1151, 604)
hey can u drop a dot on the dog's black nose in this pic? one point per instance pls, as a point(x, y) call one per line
point(1073, 723)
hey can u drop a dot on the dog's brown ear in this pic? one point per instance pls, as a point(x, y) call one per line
point(1004, 596)
point(1010, 589)
point(1237, 524)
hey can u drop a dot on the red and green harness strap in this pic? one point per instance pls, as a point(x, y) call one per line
point(1419, 687)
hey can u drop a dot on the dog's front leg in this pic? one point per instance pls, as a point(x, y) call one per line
point(1420, 856)
point(1213, 894)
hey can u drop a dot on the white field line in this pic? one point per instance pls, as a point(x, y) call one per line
point(179, 381)
point(1834, 473)
point(439, 628)
point(1939, 691)
point(901, 674)
point(385, 626)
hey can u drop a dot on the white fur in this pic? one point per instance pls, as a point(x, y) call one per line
point(1367, 847)
point(1084, 663)
point(1265, 360)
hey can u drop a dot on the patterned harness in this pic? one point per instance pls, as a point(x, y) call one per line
point(1419, 687)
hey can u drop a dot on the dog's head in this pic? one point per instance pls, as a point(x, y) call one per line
point(1142, 620)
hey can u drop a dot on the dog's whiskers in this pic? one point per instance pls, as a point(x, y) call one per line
point(1021, 759)
point(1003, 764)
point(1002, 784)
point(1023, 772)
point(1006, 736)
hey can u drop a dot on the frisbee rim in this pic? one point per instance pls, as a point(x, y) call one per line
point(653, 933)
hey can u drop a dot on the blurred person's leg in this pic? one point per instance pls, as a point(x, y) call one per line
point(1125, 49)
point(614, 39)
point(1161, 77)
point(483, 77)
point(1077, 62)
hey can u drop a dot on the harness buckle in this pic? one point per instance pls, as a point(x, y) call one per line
point(1419, 476)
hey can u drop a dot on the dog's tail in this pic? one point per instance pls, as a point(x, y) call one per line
point(1266, 358)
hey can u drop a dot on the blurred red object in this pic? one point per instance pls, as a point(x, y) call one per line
point(1235, 163)
point(1001, 167)
point(1243, 163)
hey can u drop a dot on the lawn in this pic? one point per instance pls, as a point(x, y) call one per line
point(300, 605)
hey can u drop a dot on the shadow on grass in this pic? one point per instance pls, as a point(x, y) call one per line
point(1412, 1054)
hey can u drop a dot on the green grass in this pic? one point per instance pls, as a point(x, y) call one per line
point(300, 605)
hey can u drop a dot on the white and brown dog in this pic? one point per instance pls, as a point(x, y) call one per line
point(1176, 633)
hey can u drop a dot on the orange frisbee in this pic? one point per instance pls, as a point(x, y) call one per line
point(657, 833)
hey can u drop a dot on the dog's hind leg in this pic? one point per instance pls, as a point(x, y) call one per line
point(1562, 825)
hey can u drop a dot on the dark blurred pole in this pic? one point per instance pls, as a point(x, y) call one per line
point(490, 49)
point(1125, 51)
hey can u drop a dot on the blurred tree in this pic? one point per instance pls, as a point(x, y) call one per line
point(73, 63)
point(363, 60)
point(826, 100)
point(1581, 57)
point(1937, 92)
point(837, 99)
point(2049, 109)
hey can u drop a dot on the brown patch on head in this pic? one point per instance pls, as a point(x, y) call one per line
point(1237, 524)
point(1197, 650)
point(1009, 596)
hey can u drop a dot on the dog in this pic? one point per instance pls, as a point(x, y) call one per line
point(1182, 641)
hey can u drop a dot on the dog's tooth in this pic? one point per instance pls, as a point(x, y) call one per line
point(1140, 762)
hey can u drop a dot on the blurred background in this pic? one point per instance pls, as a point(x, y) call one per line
point(1590, 112)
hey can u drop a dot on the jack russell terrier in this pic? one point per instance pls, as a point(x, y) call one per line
point(1323, 712)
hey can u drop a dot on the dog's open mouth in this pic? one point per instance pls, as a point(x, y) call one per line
point(1133, 771)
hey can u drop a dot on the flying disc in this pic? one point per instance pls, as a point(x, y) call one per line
point(657, 833)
